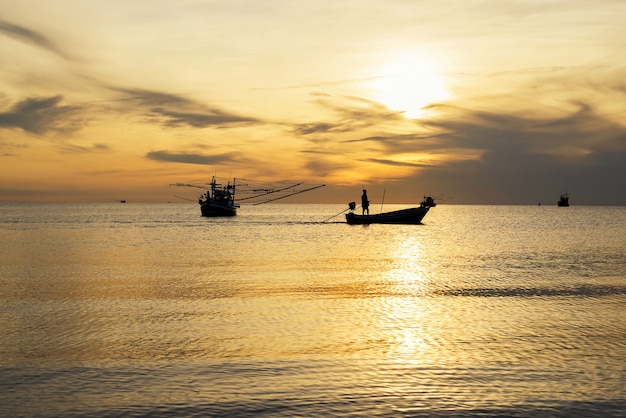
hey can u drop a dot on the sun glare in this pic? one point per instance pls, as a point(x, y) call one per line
point(409, 85)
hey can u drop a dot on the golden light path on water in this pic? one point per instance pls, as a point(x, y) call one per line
point(409, 278)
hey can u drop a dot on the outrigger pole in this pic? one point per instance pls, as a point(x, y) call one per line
point(270, 191)
point(292, 194)
point(349, 208)
point(185, 198)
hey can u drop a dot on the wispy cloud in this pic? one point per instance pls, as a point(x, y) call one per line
point(363, 110)
point(351, 115)
point(501, 133)
point(149, 98)
point(171, 110)
point(81, 149)
point(191, 158)
point(31, 37)
point(324, 168)
point(205, 119)
point(317, 128)
point(42, 115)
point(396, 163)
point(403, 143)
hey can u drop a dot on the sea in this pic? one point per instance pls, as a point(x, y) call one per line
point(150, 310)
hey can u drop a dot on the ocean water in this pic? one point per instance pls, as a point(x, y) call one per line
point(149, 310)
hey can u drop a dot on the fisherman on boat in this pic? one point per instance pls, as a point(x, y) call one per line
point(365, 203)
point(428, 202)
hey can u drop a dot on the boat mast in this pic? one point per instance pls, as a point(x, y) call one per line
point(213, 185)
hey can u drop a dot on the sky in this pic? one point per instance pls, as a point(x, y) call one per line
point(473, 102)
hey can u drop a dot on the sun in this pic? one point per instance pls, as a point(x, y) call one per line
point(408, 85)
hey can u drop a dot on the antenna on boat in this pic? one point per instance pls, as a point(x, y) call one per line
point(383, 202)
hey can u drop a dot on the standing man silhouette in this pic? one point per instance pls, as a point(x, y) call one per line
point(365, 203)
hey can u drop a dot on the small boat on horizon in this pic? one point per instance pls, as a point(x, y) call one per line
point(563, 201)
point(410, 216)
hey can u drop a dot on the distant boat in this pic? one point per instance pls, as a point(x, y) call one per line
point(410, 216)
point(564, 201)
point(219, 200)
point(122, 201)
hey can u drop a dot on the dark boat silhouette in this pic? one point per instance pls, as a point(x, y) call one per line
point(410, 216)
point(564, 201)
point(219, 199)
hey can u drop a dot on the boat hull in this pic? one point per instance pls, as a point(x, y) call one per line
point(412, 216)
point(212, 209)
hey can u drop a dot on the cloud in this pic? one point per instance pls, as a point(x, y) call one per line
point(42, 115)
point(324, 168)
point(31, 37)
point(173, 110)
point(512, 156)
point(152, 98)
point(78, 149)
point(208, 118)
point(396, 163)
point(571, 135)
point(522, 157)
point(363, 110)
point(352, 114)
point(316, 128)
point(404, 143)
point(190, 158)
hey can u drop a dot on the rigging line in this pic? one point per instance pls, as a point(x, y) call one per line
point(187, 185)
point(326, 220)
point(185, 198)
point(292, 194)
point(270, 192)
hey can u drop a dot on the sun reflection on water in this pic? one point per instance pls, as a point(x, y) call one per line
point(409, 275)
point(404, 312)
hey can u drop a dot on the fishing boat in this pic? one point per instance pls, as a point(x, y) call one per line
point(219, 199)
point(410, 216)
point(564, 200)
